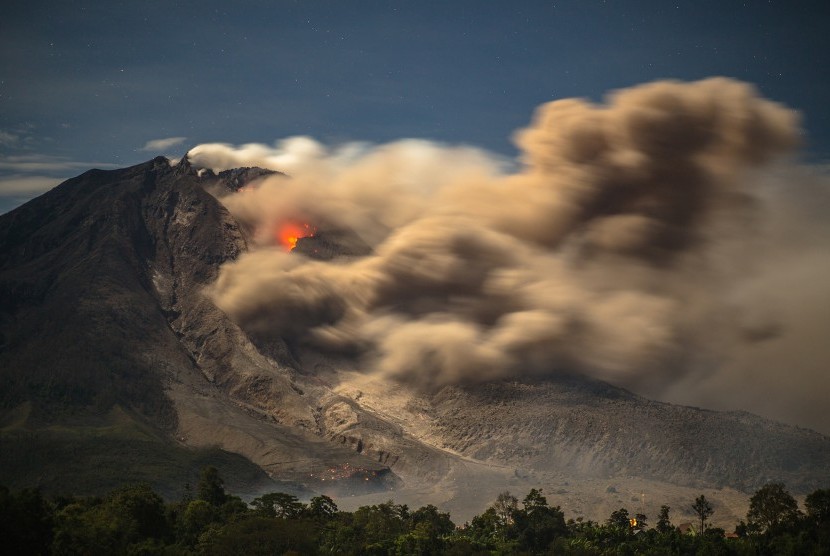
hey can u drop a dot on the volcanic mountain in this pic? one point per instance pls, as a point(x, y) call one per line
point(116, 366)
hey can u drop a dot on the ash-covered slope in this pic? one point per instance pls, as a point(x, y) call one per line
point(590, 428)
point(101, 282)
point(105, 331)
point(578, 427)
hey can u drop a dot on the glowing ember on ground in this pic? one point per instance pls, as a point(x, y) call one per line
point(289, 233)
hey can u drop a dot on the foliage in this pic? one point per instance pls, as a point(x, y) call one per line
point(620, 519)
point(278, 504)
point(124, 519)
point(134, 520)
point(772, 508)
point(321, 508)
point(663, 521)
point(211, 487)
point(26, 522)
point(256, 535)
point(703, 508)
point(538, 525)
point(818, 506)
point(505, 507)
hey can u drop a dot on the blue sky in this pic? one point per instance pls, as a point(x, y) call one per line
point(109, 84)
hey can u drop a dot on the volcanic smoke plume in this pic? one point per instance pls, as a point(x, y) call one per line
point(619, 249)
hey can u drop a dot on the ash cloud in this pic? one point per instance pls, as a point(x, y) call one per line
point(620, 248)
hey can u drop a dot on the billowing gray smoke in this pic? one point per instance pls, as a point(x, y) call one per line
point(616, 250)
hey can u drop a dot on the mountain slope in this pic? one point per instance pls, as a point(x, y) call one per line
point(105, 331)
point(102, 306)
point(591, 428)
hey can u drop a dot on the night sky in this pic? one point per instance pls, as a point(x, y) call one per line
point(103, 84)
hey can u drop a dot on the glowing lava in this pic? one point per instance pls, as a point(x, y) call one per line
point(289, 233)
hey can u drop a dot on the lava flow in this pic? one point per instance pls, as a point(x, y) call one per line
point(288, 233)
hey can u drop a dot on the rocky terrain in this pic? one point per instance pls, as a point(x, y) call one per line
point(106, 333)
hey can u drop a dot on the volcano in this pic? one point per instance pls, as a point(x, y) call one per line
point(115, 366)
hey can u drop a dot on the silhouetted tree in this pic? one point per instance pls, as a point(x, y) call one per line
point(505, 506)
point(377, 527)
point(428, 532)
point(278, 504)
point(197, 516)
point(620, 519)
point(141, 511)
point(772, 508)
point(211, 487)
point(133, 520)
point(703, 509)
point(818, 506)
point(321, 507)
point(26, 522)
point(663, 522)
point(486, 528)
point(818, 515)
point(537, 525)
point(534, 500)
point(437, 523)
point(255, 536)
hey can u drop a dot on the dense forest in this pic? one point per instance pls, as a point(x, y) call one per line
point(134, 520)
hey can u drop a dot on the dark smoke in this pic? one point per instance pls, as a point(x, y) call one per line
point(618, 250)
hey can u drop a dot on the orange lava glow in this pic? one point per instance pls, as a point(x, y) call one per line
point(288, 233)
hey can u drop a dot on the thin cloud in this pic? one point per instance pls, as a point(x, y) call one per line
point(8, 139)
point(46, 163)
point(23, 177)
point(17, 189)
point(18, 186)
point(155, 145)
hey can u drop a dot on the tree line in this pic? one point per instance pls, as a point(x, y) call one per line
point(134, 520)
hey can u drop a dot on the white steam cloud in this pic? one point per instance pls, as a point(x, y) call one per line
point(637, 245)
point(156, 145)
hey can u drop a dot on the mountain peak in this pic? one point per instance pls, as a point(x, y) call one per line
point(103, 306)
point(232, 179)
